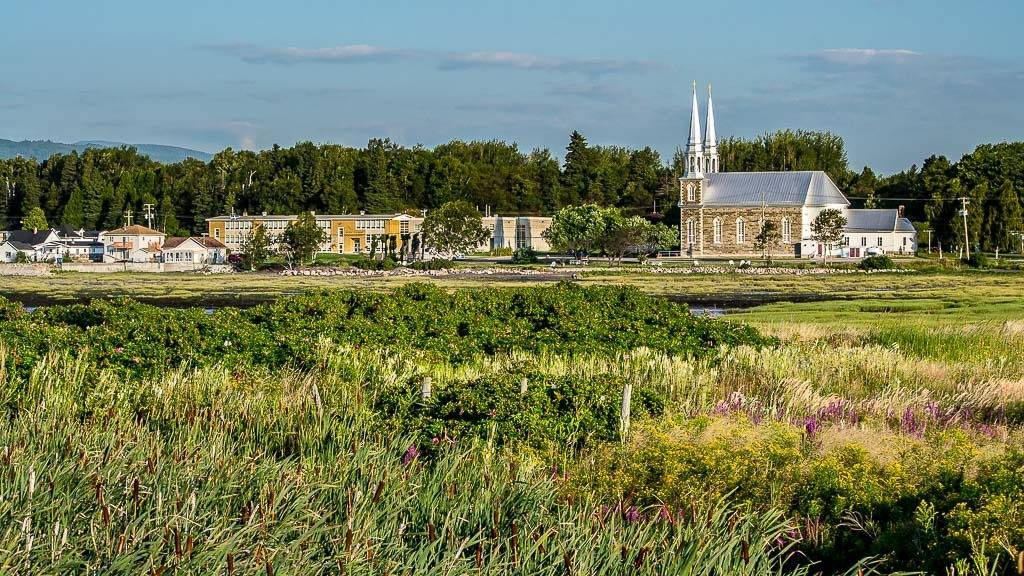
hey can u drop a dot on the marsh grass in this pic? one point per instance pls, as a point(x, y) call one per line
point(204, 472)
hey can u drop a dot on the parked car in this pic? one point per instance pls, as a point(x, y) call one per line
point(874, 251)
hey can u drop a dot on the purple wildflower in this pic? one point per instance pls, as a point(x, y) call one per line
point(909, 423)
point(811, 426)
point(633, 515)
point(665, 514)
point(119, 349)
point(411, 453)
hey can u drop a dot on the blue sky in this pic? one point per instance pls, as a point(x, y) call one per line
point(898, 79)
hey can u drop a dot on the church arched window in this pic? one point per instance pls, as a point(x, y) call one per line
point(691, 232)
point(787, 230)
point(717, 234)
point(741, 231)
point(691, 194)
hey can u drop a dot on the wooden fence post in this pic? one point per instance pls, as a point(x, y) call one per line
point(627, 398)
point(425, 390)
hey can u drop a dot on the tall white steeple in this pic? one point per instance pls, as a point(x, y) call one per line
point(694, 153)
point(710, 139)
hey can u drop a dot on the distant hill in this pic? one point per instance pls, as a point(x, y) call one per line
point(43, 149)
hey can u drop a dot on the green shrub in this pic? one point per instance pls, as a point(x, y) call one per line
point(977, 260)
point(880, 262)
point(142, 341)
point(525, 255)
point(435, 264)
point(371, 264)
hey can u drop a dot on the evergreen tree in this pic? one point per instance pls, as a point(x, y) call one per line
point(578, 170)
point(380, 183)
point(166, 219)
point(1008, 218)
point(74, 211)
point(26, 187)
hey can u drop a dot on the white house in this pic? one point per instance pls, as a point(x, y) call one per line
point(876, 231)
point(9, 251)
point(37, 245)
point(133, 243)
point(193, 250)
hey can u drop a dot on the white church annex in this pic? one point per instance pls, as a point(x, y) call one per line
point(721, 212)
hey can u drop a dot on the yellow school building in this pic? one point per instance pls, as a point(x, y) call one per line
point(346, 233)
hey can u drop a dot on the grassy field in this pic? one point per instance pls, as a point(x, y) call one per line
point(934, 290)
point(883, 432)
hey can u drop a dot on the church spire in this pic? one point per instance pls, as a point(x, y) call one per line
point(710, 138)
point(694, 153)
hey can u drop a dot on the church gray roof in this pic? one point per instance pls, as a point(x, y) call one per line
point(876, 220)
point(810, 188)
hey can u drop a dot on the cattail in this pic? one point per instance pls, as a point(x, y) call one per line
point(640, 557)
point(188, 545)
point(567, 560)
point(479, 556)
point(270, 568)
point(26, 529)
point(348, 541)
point(431, 533)
point(106, 515)
point(231, 563)
point(377, 492)
point(515, 542)
point(745, 552)
point(177, 543)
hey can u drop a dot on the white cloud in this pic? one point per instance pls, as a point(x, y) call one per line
point(353, 53)
point(865, 55)
point(254, 54)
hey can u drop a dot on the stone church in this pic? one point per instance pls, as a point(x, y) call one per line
point(721, 212)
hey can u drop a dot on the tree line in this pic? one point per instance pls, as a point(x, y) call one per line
point(94, 189)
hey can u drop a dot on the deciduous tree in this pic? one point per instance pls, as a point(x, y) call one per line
point(255, 248)
point(827, 230)
point(453, 228)
point(35, 220)
point(302, 238)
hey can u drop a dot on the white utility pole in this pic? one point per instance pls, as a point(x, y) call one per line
point(149, 214)
point(967, 239)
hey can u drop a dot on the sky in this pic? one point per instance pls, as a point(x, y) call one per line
point(899, 80)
